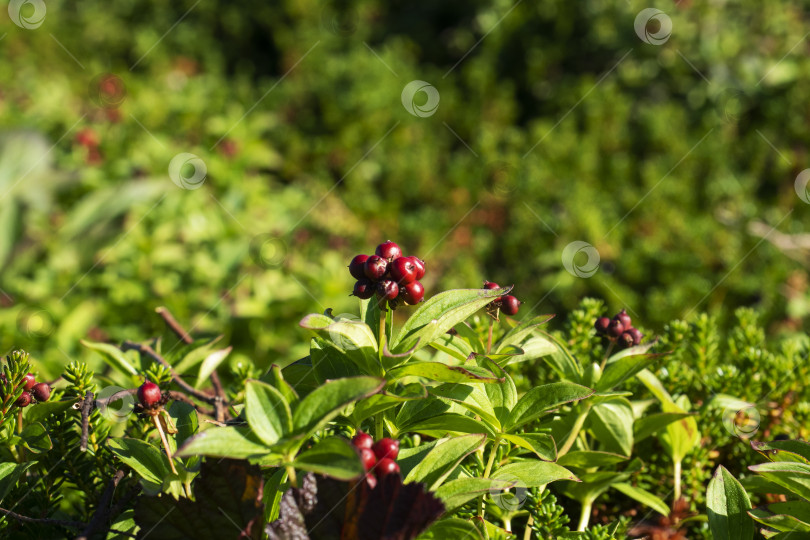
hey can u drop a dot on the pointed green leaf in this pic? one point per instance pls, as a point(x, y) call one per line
point(457, 492)
point(623, 368)
point(541, 399)
point(612, 425)
point(726, 505)
point(328, 400)
point(112, 355)
point(533, 473)
point(650, 424)
point(585, 459)
point(790, 475)
point(516, 335)
point(149, 462)
point(333, 457)
point(267, 412)
point(643, 496)
point(443, 459)
point(541, 444)
point(227, 442)
point(436, 371)
point(211, 363)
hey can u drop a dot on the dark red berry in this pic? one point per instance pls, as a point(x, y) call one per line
point(615, 328)
point(388, 250)
point(601, 325)
point(626, 340)
point(371, 480)
point(510, 304)
point(413, 293)
point(23, 400)
point(368, 458)
point(149, 394)
point(387, 290)
point(386, 466)
point(375, 267)
point(403, 270)
point(29, 381)
point(362, 440)
point(386, 448)
point(625, 319)
point(489, 285)
point(420, 267)
point(357, 266)
point(363, 288)
point(41, 391)
point(637, 336)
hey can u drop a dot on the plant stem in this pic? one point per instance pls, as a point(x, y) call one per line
point(575, 429)
point(507, 523)
point(489, 336)
point(379, 427)
point(527, 535)
point(381, 337)
point(165, 442)
point(677, 477)
point(607, 355)
point(490, 462)
point(291, 476)
point(585, 515)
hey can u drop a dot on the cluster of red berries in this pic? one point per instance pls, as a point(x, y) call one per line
point(33, 391)
point(619, 329)
point(507, 303)
point(379, 459)
point(149, 395)
point(389, 275)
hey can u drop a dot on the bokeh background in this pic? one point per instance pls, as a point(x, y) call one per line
point(672, 153)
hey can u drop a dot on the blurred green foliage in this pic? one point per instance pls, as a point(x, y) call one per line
point(556, 124)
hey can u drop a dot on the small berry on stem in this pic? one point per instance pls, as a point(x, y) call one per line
point(403, 270)
point(368, 458)
point(41, 391)
point(601, 325)
point(615, 328)
point(388, 250)
point(357, 266)
point(29, 381)
point(149, 394)
point(420, 267)
point(387, 290)
point(363, 288)
point(625, 319)
point(510, 305)
point(386, 448)
point(386, 466)
point(23, 400)
point(413, 293)
point(362, 440)
point(375, 267)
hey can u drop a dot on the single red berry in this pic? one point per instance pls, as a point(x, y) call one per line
point(368, 458)
point(149, 394)
point(29, 381)
point(615, 328)
point(622, 316)
point(357, 266)
point(387, 290)
point(41, 391)
point(375, 267)
point(386, 466)
point(363, 288)
point(626, 339)
point(388, 250)
point(386, 448)
point(413, 293)
point(420, 267)
point(362, 440)
point(637, 336)
point(403, 270)
point(489, 285)
point(23, 400)
point(510, 304)
point(371, 480)
point(601, 325)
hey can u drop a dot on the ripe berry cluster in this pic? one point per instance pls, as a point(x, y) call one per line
point(150, 396)
point(389, 275)
point(507, 303)
point(32, 391)
point(379, 459)
point(619, 329)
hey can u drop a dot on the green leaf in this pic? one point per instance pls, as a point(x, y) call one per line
point(443, 459)
point(274, 489)
point(451, 528)
point(267, 412)
point(797, 510)
point(353, 337)
point(327, 401)
point(623, 368)
point(44, 410)
point(186, 422)
point(502, 396)
point(643, 496)
point(191, 354)
point(612, 425)
point(455, 346)
point(651, 424)
point(516, 335)
point(541, 444)
point(779, 522)
point(211, 363)
point(472, 397)
point(796, 450)
point(542, 399)
point(35, 438)
point(391, 397)
point(441, 313)
point(331, 362)
point(448, 423)
point(584, 459)
point(682, 436)
point(10, 474)
point(436, 371)
point(112, 355)
point(727, 504)
point(457, 492)
point(334, 457)
point(226, 442)
point(790, 475)
point(562, 361)
point(533, 473)
point(534, 348)
point(149, 462)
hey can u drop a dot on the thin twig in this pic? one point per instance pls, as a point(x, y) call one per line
point(180, 396)
point(26, 519)
point(173, 325)
point(87, 408)
point(102, 512)
point(150, 352)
